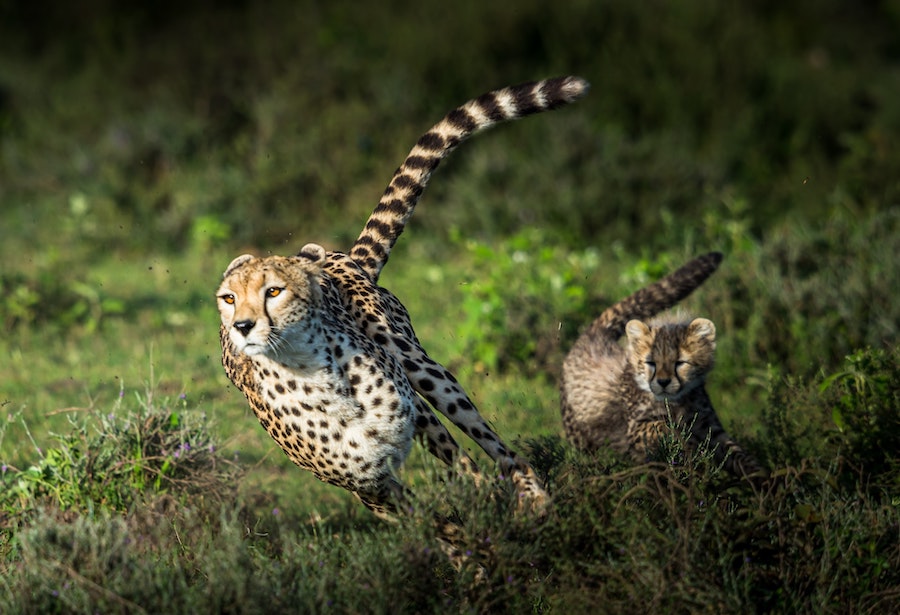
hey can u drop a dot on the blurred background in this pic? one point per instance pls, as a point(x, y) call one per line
point(142, 146)
point(166, 121)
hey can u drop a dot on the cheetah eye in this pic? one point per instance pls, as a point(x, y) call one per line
point(650, 364)
point(229, 299)
point(274, 291)
point(680, 363)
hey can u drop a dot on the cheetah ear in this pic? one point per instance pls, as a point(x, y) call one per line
point(703, 329)
point(636, 330)
point(312, 257)
point(240, 260)
point(313, 252)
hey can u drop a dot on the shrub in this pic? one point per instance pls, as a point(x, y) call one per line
point(112, 461)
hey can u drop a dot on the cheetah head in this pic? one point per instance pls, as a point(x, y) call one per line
point(670, 360)
point(266, 303)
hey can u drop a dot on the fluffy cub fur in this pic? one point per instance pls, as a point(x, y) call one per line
point(628, 396)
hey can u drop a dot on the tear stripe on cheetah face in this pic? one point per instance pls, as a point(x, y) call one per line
point(265, 306)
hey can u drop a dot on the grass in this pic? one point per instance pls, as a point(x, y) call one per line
point(130, 179)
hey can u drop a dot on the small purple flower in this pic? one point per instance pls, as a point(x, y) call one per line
point(276, 512)
point(176, 454)
point(3, 468)
point(182, 396)
point(185, 447)
point(211, 448)
point(121, 393)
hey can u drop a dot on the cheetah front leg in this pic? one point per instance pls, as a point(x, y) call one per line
point(439, 387)
point(440, 443)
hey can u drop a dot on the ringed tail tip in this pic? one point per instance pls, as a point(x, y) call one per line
point(575, 87)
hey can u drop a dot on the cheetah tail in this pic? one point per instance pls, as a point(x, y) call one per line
point(659, 296)
point(373, 246)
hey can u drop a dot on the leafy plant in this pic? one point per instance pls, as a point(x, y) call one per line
point(52, 296)
point(864, 399)
point(112, 460)
point(513, 290)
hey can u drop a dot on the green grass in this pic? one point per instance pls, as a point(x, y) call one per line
point(139, 154)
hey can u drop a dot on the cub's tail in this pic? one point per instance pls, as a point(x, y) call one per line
point(659, 296)
point(373, 246)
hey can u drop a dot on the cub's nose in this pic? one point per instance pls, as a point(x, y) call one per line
point(244, 326)
point(662, 382)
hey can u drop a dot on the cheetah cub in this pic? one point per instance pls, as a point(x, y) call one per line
point(329, 361)
point(628, 397)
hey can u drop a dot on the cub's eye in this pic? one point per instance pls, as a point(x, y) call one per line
point(274, 291)
point(680, 363)
point(229, 299)
point(651, 364)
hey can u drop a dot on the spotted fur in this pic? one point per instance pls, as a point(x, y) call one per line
point(329, 361)
point(627, 398)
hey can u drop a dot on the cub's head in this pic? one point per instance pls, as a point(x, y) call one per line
point(264, 303)
point(670, 359)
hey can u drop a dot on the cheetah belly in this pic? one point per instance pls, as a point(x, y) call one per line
point(353, 441)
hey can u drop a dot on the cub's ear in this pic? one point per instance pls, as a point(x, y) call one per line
point(703, 329)
point(240, 260)
point(636, 330)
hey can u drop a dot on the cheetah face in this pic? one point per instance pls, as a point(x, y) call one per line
point(671, 360)
point(267, 304)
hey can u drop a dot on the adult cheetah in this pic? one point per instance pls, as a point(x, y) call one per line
point(329, 361)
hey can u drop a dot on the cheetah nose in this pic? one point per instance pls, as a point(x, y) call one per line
point(244, 326)
point(662, 382)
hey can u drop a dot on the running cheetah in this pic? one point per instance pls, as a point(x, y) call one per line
point(329, 361)
point(629, 397)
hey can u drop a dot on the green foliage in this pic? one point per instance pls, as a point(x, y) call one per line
point(512, 291)
point(849, 417)
point(805, 295)
point(52, 297)
point(865, 413)
point(662, 536)
point(111, 461)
